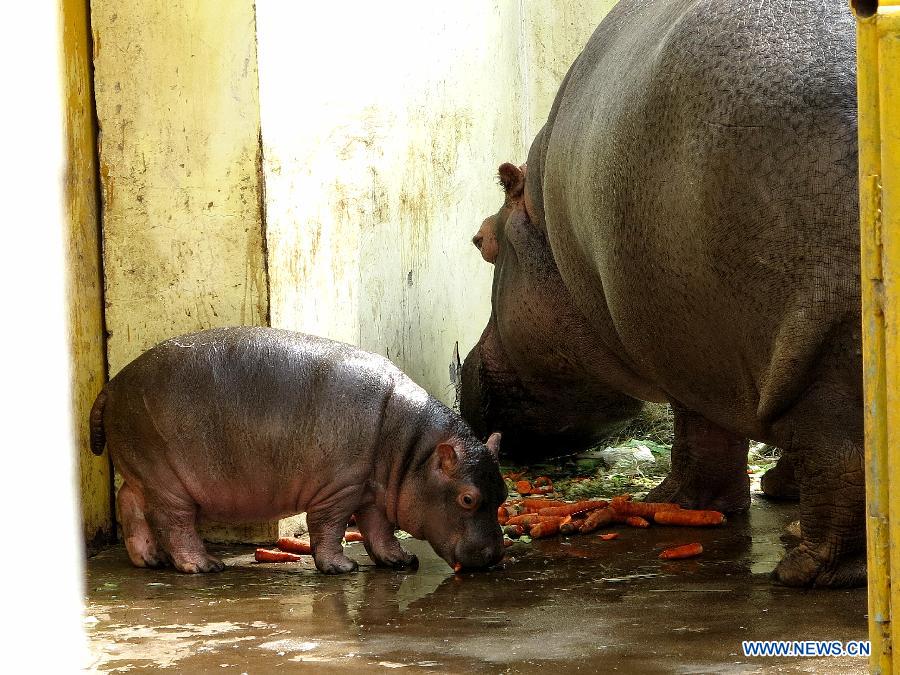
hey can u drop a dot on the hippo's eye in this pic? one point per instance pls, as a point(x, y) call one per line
point(467, 500)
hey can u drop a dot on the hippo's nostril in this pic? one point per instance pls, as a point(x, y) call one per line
point(477, 239)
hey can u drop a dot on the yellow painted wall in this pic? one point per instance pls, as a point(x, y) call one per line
point(176, 89)
point(84, 276)
point(177, 102)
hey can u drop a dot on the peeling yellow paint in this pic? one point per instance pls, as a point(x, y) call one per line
point(84, 281)
point(176, 89)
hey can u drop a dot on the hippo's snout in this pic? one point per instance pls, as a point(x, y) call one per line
point(479, 557)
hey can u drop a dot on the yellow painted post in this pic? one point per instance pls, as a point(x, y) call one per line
point(878, 83)
point(84, 276)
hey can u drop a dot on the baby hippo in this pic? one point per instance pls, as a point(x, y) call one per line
point(251, 424)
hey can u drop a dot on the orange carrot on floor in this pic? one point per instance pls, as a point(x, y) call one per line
point(679, 552)
point(523, 487)
point(636, 521)
point(689, 518)
point(642, 509)
point(544, 529)
point(568, 526)
point(507, 542)
point(294, 545)
point(351, 537)
point(572, 509)
point(534, 504)
point(529, 519)
point(596, 518)
point(608, 536)
point(267, 555)
point(543, 480)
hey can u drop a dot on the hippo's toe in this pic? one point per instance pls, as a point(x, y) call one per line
point(802, 567)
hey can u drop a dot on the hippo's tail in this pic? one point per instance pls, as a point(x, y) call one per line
point(98, 435)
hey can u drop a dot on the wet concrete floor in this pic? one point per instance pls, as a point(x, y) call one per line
point(564, 605)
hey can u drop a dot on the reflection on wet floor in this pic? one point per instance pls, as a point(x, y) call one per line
point(574, 605)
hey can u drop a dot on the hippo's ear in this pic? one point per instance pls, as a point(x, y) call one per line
point(447, 458)
point(512, 178)
point(493, 444)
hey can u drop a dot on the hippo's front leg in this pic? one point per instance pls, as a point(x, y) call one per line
point(380, 542)
point(709, 466)
point(326, 532)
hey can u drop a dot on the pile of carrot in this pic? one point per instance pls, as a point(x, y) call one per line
point(292, 549)
point(541, 517)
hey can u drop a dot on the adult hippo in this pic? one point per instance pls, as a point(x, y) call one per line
point(687, 231)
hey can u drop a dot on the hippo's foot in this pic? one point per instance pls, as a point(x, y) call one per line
point(704, 492)
point(804, 566)
point(176, 531)
point(198, 563)
point(709, 466)
point(335, 564)
point(405, 561)
point(380, 542)
point(780, 482)
point(140, 542)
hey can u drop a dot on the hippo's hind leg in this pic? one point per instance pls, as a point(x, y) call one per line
point(140, 541)
point(832, 550)
point(175, 528)
point(380, 542)
point(326, 531)
point(172, 516)
point(709, 466)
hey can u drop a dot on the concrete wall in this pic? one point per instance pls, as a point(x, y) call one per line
point(382, 133)
point(379, 164)
point(84, 275)
point(553, 34)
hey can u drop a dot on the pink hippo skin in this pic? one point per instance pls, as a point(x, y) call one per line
point(251, 424)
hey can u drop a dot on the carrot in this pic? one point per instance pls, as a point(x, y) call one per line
point(636, 521)
point(508, 510)
point(689, 518)
point(609, 535)
point(351, 537)
point(572, 509)
point(507, 542)
point(293, 545)
point(546, 528)
point(679, 552)
point(642, 509)
point(514, 531)
point(536, 503)
point(543, 480)
point(457, 567)
point(568, 526)
point(595, 519)
point(529, 519)
point(544, 490)
point(523, 487)
point(267, 555)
